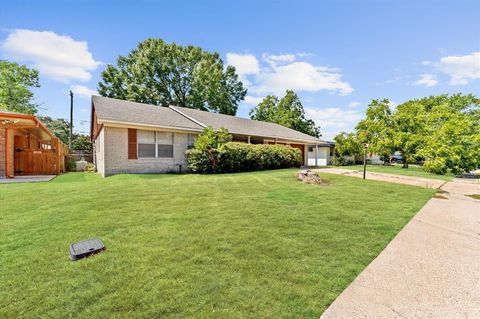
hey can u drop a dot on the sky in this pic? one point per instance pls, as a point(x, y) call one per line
point(336, 55)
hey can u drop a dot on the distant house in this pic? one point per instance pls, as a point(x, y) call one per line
point(132, 137)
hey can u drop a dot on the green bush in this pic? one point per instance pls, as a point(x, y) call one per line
point(90, 168)
point(341, 161)
point(71, 165)
point(436, 166)
point(241, 157)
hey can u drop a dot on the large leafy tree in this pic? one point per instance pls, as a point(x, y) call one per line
point(442, 130)
point(451, 132)
point(287, 111)
point(377, 129)
point(347, 145)
point(160, 73)
point(82, 142)
point(16, 82)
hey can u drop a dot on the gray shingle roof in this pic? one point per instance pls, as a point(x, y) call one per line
point(181, 117)
point(146, 114)
point(238, 125)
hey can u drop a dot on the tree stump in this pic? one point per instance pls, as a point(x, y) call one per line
point(309, 177)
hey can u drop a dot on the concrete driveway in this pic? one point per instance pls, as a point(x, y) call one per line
point(391, 178)
point(431, 269)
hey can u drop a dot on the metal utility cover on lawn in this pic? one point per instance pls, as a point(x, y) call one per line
point(85, 248)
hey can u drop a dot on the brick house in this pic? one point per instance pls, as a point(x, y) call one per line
point(132, 137)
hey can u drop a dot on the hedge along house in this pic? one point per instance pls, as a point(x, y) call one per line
point(27, 147)
point(132, 137)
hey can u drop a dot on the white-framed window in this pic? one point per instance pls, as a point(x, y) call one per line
point(164, 144)
point(191, 140)
point(153, 144)
point(146, 144)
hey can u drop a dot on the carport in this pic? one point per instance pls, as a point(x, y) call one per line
point(27, 147)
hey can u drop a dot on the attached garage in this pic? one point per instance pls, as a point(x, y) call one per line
point(27, 147)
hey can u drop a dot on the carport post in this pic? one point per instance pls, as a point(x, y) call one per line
point(316, 155)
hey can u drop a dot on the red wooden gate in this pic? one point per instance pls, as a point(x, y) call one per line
point(34, 162)
point(30, 160)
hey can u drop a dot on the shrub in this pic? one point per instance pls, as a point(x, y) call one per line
point(241, 157)
point(342, 161)
point(90, 168)
point(71, 165)
point(436, 166)
point(205, 161)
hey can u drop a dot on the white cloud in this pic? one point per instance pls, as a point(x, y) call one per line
point(253, 100)
point(301, 76)
point(427, 80)
point(274, 60)
point(244, 63)
point(426, 62)
point(461, 69)
point(83, 91)
point(283, 72)
point(354, 104)
point(332, 120)
point(55, 56)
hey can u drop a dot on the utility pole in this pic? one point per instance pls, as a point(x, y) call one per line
point(71, 121)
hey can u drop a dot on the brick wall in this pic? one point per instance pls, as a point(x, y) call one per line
point(115, 155)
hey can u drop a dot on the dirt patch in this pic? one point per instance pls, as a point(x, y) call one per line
point(439, 196)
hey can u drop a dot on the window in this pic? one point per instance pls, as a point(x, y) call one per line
point(164, 144)
point(191, 140)
point(310, 149)
point(146, 144)
point(155, 144)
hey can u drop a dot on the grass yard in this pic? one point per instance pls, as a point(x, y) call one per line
point(412, 170)
point(251, 245)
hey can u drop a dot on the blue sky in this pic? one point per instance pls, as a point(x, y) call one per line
point(337, 55)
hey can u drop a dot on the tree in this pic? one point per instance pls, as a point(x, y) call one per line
point(409, 123)
point(211, 139)
point(16, 82)
point(377, 129)
point(287, 111)
point(346, 145)
point(442, 130)
point(59, 127)
point(165, 74)
point(451, 133)
point(82, 142)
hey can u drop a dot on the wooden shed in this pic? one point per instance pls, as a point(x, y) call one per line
point(27, 147)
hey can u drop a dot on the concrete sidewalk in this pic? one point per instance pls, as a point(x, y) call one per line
point(431, 269)
point(391, 178)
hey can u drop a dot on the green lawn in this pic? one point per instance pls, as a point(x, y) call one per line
point(412, 170)
point(252, 245)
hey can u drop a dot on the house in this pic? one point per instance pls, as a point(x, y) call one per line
point(132, 137)
point(27, 147)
